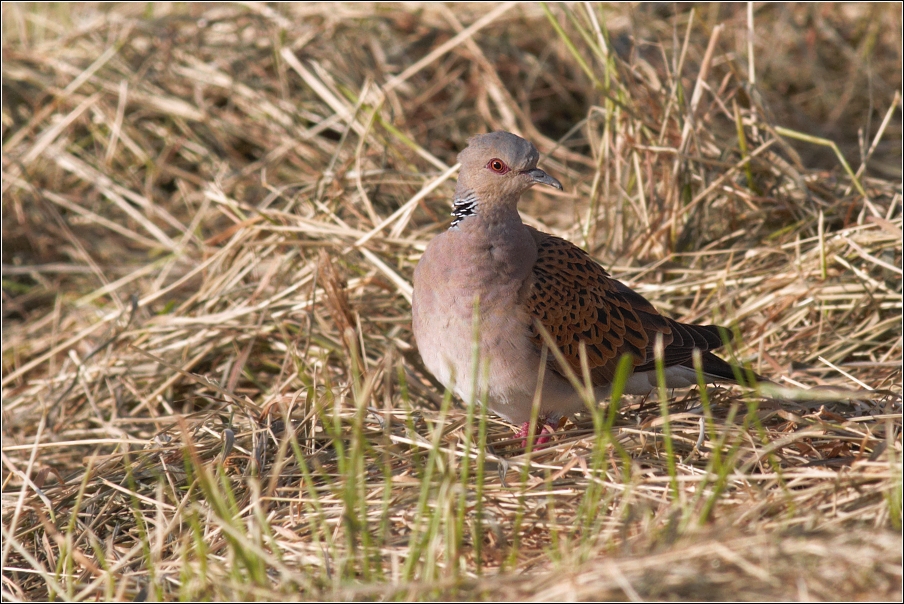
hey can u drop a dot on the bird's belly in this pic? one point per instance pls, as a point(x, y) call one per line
point(507, 361)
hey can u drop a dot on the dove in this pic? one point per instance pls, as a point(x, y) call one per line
point(522, 282)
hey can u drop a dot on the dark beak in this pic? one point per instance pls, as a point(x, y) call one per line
point(538, 176)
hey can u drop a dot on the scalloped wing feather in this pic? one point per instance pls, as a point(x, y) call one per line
point(576, 301)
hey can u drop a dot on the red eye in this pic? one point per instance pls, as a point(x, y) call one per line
point(498, 166)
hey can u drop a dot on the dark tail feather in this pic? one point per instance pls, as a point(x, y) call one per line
point(716, 367)
point(709, 337)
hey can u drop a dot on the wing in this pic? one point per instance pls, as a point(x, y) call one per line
point(576, 300)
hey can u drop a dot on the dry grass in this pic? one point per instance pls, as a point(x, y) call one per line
point(210, 219)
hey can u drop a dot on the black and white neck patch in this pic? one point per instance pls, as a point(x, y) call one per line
point(462, 207)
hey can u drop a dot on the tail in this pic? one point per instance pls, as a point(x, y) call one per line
point(723, 371)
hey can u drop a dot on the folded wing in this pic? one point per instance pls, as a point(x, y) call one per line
point(576, 301)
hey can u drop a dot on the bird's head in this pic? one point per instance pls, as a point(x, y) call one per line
point(498, 167)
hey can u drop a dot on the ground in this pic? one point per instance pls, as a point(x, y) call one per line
point(211, 215)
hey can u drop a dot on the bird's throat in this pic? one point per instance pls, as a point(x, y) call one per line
point(462, 207)
point(468, 204)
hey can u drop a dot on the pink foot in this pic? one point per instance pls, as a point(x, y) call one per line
point(543, 430)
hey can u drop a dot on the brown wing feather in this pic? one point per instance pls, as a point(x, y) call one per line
point(576, 300)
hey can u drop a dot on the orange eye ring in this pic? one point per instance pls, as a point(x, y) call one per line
point(498, 166)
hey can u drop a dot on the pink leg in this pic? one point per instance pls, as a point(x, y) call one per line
point(543, 429)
